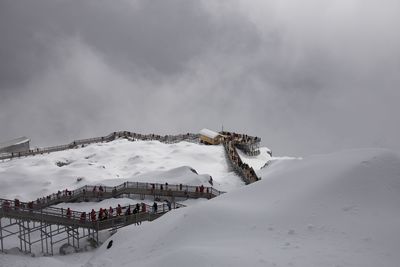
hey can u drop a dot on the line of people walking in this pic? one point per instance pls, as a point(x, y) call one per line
point(244, 169)
point(105, 214)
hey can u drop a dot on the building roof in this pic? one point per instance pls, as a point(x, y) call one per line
point(15, 141)
point(209, 133)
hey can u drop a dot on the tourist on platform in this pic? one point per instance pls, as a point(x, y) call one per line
point(83, 217)
point(101, 214)
point(128, 211)
point(143, 207)
point(6, 206)
point(119, 210)
point(69, 213)
point(16, 204)
point(155, 207)
point(110, 212)
point(93, 215)
point(101, 190)
point(94, 190)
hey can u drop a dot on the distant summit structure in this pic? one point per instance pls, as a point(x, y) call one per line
point(20, 144)
point(210, 137)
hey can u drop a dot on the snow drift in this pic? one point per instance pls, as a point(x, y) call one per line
point(334, 210)
point(113, 163)
point(329, 210)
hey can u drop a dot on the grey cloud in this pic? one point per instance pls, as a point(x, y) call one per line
point(307, 77)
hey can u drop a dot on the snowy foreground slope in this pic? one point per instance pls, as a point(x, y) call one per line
point(340, 209)
point(334, 210)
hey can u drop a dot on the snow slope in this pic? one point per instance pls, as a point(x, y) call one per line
point(114, 163)
point(329, 210)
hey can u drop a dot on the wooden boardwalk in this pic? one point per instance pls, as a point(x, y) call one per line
point(36, 216)
point(25, 218)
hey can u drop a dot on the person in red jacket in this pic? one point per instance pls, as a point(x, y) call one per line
point(6, 206)
point(143, 207)
point(83, 217)
point(119, 210)
point(101, 214)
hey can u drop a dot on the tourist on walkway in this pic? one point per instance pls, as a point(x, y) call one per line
point(138, 207)
point(83, 217)
point(110, 212)
point(155, 207)
point(101, 214)
point(128, 211)
point(16, 204)
point(119, 210)
point(93, 215)
point(101, 190)
point(94, 190)
point(69, 213)
point(143, 207)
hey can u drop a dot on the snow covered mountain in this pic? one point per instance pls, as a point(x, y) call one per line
point(116, 162)
point(339, 209)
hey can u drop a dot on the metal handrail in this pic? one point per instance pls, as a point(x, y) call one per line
point(10, 208)
point(190, 137)
point(44, 203)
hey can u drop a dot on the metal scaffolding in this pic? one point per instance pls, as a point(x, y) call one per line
point(30, 233)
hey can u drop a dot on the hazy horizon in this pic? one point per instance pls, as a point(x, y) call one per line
point(307, 77)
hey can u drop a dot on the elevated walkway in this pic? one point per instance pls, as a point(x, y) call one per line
point(39, 215)
point(169, 139)
point(54, 225)
point(243, 170)
point(97, 193)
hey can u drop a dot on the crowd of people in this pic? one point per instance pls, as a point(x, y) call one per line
point(98, 192)
point(248, 144)
point(105, 214)
point(241, 138)
point(157, 137)
point(242, 168)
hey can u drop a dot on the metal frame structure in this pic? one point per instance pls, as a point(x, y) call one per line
point(34, 222)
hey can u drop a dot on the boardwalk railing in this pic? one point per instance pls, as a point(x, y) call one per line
point(169, 139)
point(93, 192)
point(60, 216)
point(231, 141)
point(243, 170)
point(250, 145)
point(51, 222)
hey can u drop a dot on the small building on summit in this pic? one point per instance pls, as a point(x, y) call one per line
point(210, 137)
point(16, 145)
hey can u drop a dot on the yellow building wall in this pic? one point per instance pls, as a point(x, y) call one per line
point(209, 140)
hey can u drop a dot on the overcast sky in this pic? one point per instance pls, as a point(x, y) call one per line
point(310, 76)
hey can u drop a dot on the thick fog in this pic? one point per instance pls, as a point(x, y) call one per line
point(309, 76)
